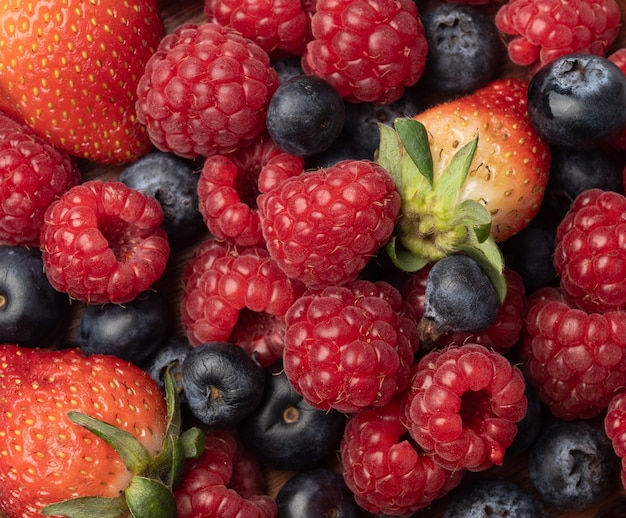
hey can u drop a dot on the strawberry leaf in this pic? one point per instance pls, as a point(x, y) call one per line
point(149, 498)
point(473, 213)
point(488, 255)
point(389, 153)
point(88, 507)
point(404, 259)
point(414, 138)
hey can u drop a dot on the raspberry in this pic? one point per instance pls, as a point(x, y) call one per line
point(368, 50)
point(279, 26)
point(205, 91)
point(615, 428)
point(589, 255)
point(323, 226)
point(349, 347)
point(32, 175)
point(575, 360)
point(501, 336)
point(224, 479)
point(463, 404)
point(543, 30)
point(103, 242)
point(229, 184)
point(383, 467)
point(225, 287)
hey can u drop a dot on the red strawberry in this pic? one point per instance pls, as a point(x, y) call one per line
point(70, 70)
point(47, 457)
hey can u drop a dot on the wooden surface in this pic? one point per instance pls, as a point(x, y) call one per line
point(175, 12)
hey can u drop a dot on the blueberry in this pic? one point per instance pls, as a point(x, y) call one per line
point(285, 432)
point(492, 498)
point(170, 353)
point(173, 181)
point(305, 115)
point(288, 67)
point(131, 332)
point(315, 493)
point(222, 384)
point(459, 297)
point(572, 465)
point(464, 48)
point(30, 308)
point(578, 101)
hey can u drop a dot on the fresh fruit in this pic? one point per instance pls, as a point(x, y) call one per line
point(305, 115)
point(575, 360)
point(572, 101)
point(222, 383)
point(70, 72)
point(369, 51)
point(463, 404)
point(529, 427)
point(316, 492)
point(323, 226)
point(588, 256)
point(614, 427)
point(103, 242)
point(33, 175)
point(541, 31)
point(284, 432)
point(387, 472)
point(572, 465)
point(84, 431)
point(204, 91)
point(30, 308)
point(464, 48)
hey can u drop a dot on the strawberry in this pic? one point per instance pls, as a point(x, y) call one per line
point(70, 70)
point(89, 433)
point(471, 173)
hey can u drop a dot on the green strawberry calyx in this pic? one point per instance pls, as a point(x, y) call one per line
point(150, 492)
point(435, 221)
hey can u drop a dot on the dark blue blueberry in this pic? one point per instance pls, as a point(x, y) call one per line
point(572, 465)
point(459, 297)
point(173, 181)
point(493, 498)
point(288, 67)
point(286, 433)
point(170, 353)
point(316, 493)
point(30, 308)
point(222, 383)
point(464, 49)
point(132, 331)
point(305, 115)
point(529, 427)
point(578, 101)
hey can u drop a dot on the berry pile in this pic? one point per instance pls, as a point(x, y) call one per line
point(350, 257)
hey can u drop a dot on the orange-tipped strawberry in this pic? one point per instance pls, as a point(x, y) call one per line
point(70, 70)
point(87, 436)
point(471, 173)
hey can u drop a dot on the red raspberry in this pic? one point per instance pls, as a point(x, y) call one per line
point(615, 428)
point(323, 226)
point(543, 30)
point(224, 480)
point(589, 256)
point(229, 185)
point(575, 360)
point(369, 50)
point(385, 470)
point(349, 347)
point(103, 242)
point(226, 287)
point(205, 90)
point(501, 336)
point(278, 26)
point(462, 406)
point(32, 175)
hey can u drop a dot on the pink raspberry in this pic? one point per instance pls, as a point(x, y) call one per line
point(463, 404)
point(543, 30)
point(32, 175)
point(387, 472)
point(615, 428)
point(229, 185)
point(103, 242)
point(349, 347)
point(575, 360)
point(323, 226)
point(205, 91)
point(368, 50)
